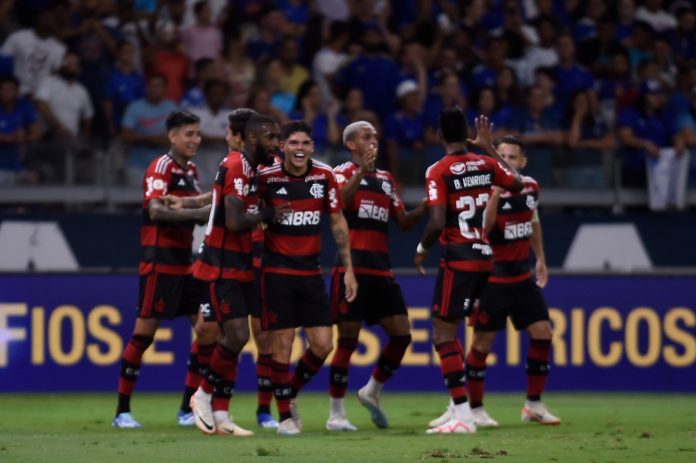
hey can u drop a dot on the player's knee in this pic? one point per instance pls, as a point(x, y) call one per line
point(322, 350)
point(236, 335)
point(206, 332)
point(402, 341)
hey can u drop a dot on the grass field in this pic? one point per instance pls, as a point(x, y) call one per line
point(596, 428)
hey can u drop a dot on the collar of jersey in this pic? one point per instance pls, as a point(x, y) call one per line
point(458, 153)
point(373, 171)
point(309, 169)
point(169, 154)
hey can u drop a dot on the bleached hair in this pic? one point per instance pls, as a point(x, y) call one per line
point(352, 129)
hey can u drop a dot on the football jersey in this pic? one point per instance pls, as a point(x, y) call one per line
point(165, 247)
point(510, 234)
point(461, 181)
point(258, 232)
point(374, 203)
point(292, 244)
point(226, 254)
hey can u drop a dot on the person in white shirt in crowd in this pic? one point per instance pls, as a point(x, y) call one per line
point(66, 111)
point(329, 59)
point(35, 51)
point(652, 13)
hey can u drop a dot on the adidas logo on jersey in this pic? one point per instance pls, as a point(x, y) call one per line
point(507, 206)
point(282, 191)
point(182, 182)
point(363, 182)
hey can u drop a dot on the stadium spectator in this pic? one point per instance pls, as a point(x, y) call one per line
point(297, 14)
point(590, 141)
point(268, 78)
point(260, 101)
point(447, 93)
point(18, 127)
point(214, 122)
point(143, 128)
point(325, 131)
point(329, 60)
point(67, 111)
point(664, 59)
point(596, 53)
point(353, 110)
point(485, 103)
point(538, 127)
point(203, 39)
point(570, 76)
point(493, 61)
point(205, 69)
point(516, 34)
point(412, 62)
point(652, 13)
point(293, 74)
point(640, 43)
point(165, 58)
point(542, 54)
point(36, 52)
point(403, 135)
point(626, 12)
point(687, 126)
point(507, 88)
point(272, 27)
point(238, 70)
point(334, 10)
point(125, 85)
point(683, 38)
point(375, 74)
point(586, 27)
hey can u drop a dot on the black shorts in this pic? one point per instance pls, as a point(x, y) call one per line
point(523, 302)
point(289, 301)
point(378, 297)
point(165, 296)
point(256, 308)
point(457, 293)
point(229, 299)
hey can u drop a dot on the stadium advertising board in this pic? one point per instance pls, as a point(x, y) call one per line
point(66, 333)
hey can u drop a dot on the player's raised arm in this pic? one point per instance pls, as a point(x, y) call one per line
point(491, 211)
point(339, 229)
point(484, 141)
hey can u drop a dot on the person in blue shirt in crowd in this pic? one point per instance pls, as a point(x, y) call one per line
point(539, 129)
point(125, 85)
point(403, 134)
point(687, 126)
point(570, 77)
point(683, 38)
point(485, 103)
point(374, 73)
point(18, 125)
point(642, 130)
point(325, 131)
point(194, 97)
point(485, 74)
point(450, 91)
point(143, 128)
point(588, 137)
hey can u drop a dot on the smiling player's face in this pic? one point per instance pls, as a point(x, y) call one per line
point(298, 149)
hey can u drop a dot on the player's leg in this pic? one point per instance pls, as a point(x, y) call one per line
point(537, 368)
point(281, 341)
point(475, 368)
point(348, 332)
point(211, 401)
point(320, 345)
point(131, 359)
point(264, 386)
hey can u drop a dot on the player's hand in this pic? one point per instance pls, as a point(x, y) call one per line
point(281, 211)
point(419, 260)
point(542, 274)
point(367, 163)
point(351, 285)
point(484, 133)
point(173, 202)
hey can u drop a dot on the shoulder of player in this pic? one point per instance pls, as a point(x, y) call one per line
point(160, 165)
point(385, 174)
point(345, 168)
point(530, 182)
point(322, 167)
point(270, 170)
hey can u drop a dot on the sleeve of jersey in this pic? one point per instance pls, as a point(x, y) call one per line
point(332, 199)
point(235, 181)
point(502, 177)
point(156, 182)
point(342, 176)
point(436, 188)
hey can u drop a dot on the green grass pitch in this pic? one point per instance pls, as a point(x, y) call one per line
point(596, 428)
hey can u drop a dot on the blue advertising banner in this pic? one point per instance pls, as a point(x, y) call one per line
point(67, 332)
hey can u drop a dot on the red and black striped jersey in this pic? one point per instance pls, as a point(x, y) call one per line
point(374, 203)
point(510, 234)
point(292, 244)
point(461, 181)
point(165, 247)
point(226, 254)
point(258, 232)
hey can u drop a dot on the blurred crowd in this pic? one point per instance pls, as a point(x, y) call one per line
point(596, 89)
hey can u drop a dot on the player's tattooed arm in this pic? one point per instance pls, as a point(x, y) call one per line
point(407, 219)
point(238, 219)
point(339, 229)
point(188, 202)
point(158, 210)
point(491, 211)
point(433, 228)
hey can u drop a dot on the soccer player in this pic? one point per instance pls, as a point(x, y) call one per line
point(166, 287)
point(512, 225)
point(370, 199)
point(225, 262)
point(458, 187)
point(292, 288)
point(237, 120)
